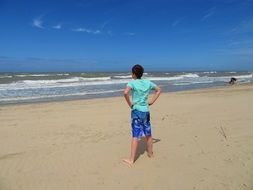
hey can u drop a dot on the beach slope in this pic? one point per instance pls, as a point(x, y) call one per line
point(203, 139)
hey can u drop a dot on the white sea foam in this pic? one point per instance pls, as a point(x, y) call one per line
point(232, 72)
point(73, 79)
point(33, 75)
point(62, 74)
point(123, 77)
point(189, 75)
point(61, 83)
point(81, 81)
point(163, 78)
point(57, 95)
point(227, 78)
point(210, 72)
point(77, 81)
point(243, 76)
point(5, 77)
point(43, 75)
point(178, 77)
point(193, 82)
point(25, 90)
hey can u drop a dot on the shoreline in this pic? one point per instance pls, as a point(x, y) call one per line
point(117, 96)
point(36, 88)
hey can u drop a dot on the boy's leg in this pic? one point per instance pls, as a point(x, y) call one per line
point(134, 146)
point(150, 146)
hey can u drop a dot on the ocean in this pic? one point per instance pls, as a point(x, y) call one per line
point(43, 87)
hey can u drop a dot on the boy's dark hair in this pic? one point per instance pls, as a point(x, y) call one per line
point(138, 71)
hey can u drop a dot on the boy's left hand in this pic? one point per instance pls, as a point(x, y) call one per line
point(150, 103)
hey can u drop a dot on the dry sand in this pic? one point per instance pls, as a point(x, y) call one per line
point(203, 139)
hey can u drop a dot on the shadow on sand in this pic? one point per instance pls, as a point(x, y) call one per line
point(142, 146)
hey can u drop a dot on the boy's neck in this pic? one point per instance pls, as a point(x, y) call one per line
point(135, 78)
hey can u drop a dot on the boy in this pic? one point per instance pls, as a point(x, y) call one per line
point(139, 105)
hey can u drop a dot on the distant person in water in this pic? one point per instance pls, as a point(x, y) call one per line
point(140, 117)
point(232, 81)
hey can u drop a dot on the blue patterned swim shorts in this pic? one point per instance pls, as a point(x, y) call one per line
point(140, 124)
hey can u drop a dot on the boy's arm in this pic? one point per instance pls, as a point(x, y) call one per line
point(127, 97)
point(155, 96)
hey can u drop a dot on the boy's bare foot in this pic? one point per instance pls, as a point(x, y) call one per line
point(128, 161)
point(151, 155)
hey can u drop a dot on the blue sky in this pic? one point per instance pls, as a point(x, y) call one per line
point(112, 35)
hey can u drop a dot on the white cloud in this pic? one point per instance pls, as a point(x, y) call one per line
point(87, 30)
point(129, 33)
point(105, 24)
point(58, 26)
point(109, 32)
point(210, 12)
point(38, 22)
point(246, 26)
point(237, 51)
point(176, 22)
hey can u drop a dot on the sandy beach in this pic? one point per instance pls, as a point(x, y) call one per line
point(203, 139)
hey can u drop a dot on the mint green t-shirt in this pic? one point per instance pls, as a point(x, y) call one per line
point(140, 91)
